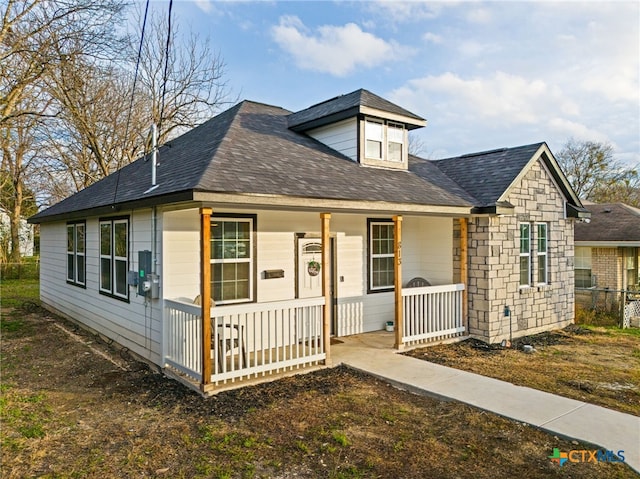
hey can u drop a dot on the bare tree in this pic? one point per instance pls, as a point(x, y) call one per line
point(102, 126)
point(196, 85)
point(592, 170)
point(35, 38)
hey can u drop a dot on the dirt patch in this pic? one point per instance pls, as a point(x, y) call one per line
point(598, 365)
point(68, 411)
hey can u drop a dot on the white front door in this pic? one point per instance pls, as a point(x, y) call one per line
point(309, 266)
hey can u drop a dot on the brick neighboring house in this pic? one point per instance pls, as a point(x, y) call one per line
point(608, 248)
point(263, 232)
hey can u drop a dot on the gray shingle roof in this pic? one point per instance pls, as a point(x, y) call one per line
point(342, 107)
point(249, 149)
point(487, 175)
point(610, 223)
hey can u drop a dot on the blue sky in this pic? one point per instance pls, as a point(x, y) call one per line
point(484, 74)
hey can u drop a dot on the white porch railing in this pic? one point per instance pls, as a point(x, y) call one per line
point(247, 340)
point(182, 340)
point(432, 313)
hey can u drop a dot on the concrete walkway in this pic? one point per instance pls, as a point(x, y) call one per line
point(611, 430)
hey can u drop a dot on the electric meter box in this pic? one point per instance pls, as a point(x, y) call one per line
point(144, 270)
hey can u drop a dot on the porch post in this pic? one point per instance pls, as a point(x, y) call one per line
point(325, 219)
point(205, 293)
point(464, 268)
point(326, 286)
point(397, 274)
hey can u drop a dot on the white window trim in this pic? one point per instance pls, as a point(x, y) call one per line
point(544, 253)
point(77, 254)
point(373, 256)
point(113, 291)
point(526, 254)
point(384, 147)
point(400, 127)
point(249, 260)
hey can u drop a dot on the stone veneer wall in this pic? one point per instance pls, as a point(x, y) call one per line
point(494, 265)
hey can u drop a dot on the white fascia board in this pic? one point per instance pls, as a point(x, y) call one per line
point(258, 201)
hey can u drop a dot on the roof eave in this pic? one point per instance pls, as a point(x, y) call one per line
point(410, 122)
point(172, 198)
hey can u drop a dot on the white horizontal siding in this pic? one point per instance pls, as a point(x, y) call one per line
point(181, 253)
point(136, 324)
point(341, 136)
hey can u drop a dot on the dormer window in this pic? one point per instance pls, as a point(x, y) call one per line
point(384, 142)
point(374, 135)
point(395, 140)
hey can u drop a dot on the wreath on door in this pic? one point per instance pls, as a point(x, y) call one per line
point(313, 268)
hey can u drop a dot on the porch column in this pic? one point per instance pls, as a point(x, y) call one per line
point(464, 269)
point(325, 219)
point(397, 274)
point(205, 293)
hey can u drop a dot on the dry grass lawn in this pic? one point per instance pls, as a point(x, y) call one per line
point(74, 407)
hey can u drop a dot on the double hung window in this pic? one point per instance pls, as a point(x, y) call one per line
point(582, 259)
point(381, 255)
point(534, 254)
point(114, 257)
point(76, 244)
point(232, 260)
point(384, 141)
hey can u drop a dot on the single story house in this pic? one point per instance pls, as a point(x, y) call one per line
point(608, 248)
point(257, 236)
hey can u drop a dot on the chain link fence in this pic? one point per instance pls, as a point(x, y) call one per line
point(624, 302)
point(25, 270)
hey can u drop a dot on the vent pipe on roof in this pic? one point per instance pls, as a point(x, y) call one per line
point(154, 153)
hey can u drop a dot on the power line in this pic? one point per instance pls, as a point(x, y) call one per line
point(166, 68)
point(133, 90)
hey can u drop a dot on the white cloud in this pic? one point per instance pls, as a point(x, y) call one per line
point(400, 12)
point(338, 50)
point(432, 37)
point(479, 16)
point(204, 5)
point(502, 98)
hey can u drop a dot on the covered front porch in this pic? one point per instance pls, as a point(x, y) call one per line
point(228, 345)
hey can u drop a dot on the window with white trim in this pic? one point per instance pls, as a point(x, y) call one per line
point(232, 260)
point(582, 265)
point(381, 255)
point(384, 140)
point(76, 244)
point(534, 254)
point(541, 252)
point(525, 254)
point(374, 138)
point(114, 257)
point(395, 142)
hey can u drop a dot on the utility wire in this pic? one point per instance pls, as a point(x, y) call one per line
point(166, 68)
point(133, 90)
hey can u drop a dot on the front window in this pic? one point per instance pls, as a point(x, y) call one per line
point(583, 267)
point(542, 243)
point(114, 257)
point(525, 254)
point(76, 244)
point(231, 260)
point(381, 256)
